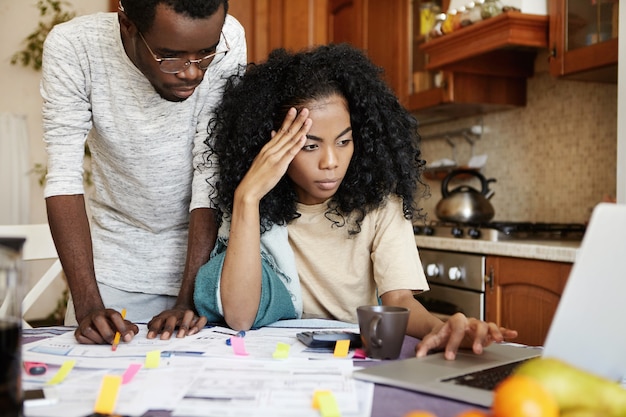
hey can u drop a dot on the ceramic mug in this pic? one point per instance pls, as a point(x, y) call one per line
point(382, 330)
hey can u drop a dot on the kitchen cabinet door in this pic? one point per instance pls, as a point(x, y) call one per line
point(345, 22)
point(478, 81)
point(381, 29)
point(523, 294)
point(289, 24)
point(584, 39)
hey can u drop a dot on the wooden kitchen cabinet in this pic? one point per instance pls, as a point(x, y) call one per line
point(479, 69)
point(482, 68)
point(289, 24)
point(584, 39)
point(523, 294)
point(381, 29)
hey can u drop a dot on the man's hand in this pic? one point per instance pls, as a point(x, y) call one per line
point(165, 323)
point(99, 327)
point(462, 332)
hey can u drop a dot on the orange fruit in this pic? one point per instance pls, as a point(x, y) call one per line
point(521, 396)
point(474, 413)
point(419, 413)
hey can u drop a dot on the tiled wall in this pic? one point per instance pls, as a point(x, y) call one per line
point(553, 159)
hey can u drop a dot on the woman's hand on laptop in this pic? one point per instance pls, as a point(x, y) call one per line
point(465, 333)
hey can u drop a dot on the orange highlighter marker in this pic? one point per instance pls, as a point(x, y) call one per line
point(116, 340)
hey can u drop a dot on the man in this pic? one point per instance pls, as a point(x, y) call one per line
point(139, 86)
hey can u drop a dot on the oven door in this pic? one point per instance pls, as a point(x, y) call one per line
point(444, 301)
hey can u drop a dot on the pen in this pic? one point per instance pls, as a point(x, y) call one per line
point(240, 333)
point(116, 340)
point(169, 353)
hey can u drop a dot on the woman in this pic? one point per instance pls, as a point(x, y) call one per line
point(314, 144)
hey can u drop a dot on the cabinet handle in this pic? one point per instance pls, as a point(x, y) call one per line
point(489, 278)
point(552, 54)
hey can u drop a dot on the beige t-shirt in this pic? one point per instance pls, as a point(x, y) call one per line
point(339, 272)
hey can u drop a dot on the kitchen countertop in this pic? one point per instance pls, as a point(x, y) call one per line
point(547, 250)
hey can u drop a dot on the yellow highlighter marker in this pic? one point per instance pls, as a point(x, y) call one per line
point(116, 340)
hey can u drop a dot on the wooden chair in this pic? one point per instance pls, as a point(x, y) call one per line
point(38, 246)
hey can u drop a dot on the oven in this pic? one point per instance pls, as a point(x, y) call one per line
point(457, 279)
point(456, 282)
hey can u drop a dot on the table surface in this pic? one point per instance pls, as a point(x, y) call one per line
point(396, 402)
point(388, 401)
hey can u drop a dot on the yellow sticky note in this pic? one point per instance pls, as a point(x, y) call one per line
point(62, 372)
point(282, 351)
point(316, 398)
point(341, 348)
point(153, 359)
point(328, 404)
point(107, 397)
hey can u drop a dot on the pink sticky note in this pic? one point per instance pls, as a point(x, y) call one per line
point(359, 354)
point(238, 346)
point(130, 372)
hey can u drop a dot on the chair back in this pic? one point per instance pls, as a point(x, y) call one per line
point(38, 246)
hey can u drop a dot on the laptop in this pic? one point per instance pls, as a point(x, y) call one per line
point(587, 329)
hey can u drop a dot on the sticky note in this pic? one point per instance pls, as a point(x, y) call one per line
point(316, 398)
point(62, 372)
point(153, 359)
point(282, 351)
point(341, 348)
point(107, 397)
point(130, 372)
point(359, 354)
point(238, 346)
point(328, 406)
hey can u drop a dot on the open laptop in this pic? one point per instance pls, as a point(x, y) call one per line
point(587, 329)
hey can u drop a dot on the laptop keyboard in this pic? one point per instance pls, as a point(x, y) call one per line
point(486, 379)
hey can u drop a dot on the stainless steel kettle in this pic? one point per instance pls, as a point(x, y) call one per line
point(465, 204)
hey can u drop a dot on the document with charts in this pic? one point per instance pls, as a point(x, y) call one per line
point(198, 375)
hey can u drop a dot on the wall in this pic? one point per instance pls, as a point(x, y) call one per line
point(553, 159)
point(20, 86)
point(20, 95)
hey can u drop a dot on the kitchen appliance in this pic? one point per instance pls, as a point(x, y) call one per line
point(465, 203)
point(502, 230)
point(457, 279)
point(456, 282)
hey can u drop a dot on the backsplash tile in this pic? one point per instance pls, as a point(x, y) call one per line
point(553, 160)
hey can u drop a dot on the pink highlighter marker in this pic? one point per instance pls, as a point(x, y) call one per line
point(35, 368)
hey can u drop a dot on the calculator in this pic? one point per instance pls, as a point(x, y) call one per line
point(328, 338)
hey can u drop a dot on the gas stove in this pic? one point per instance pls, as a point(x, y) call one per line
point(499, 231)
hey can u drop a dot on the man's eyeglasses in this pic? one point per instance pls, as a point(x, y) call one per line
point(176, 65)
